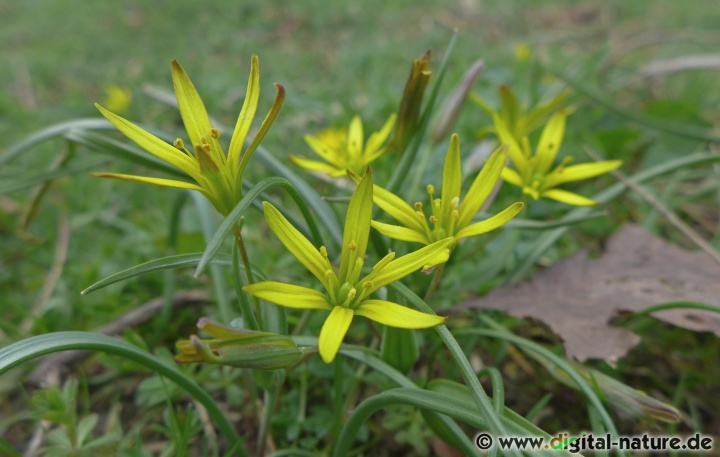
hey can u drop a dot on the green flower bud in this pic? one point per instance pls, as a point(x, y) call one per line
point(238, 348)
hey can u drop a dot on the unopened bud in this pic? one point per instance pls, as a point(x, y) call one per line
point(411, 103)
point(239, 348)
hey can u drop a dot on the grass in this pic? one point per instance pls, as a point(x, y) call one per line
point(336, 60)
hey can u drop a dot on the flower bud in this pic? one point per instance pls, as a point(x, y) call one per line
point(238, 348)
point(411, 103)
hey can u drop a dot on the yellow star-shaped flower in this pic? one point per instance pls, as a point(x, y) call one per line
point(343, 150)
point(217, 176)
point(534, 173)
point(347, 291)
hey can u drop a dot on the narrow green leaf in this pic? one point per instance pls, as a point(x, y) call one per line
point(31, 348)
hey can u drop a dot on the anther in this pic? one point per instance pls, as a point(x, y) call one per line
point(178, 143)
point(433, 219)
point(351, 294)
point(352, 246)
point(455, 214)
point(430, 189)
point(323, 252)
point(328, 274)
point(367, 285)
point(455, 202)
point(215, 133)
point(437, 202)
point(418, 206)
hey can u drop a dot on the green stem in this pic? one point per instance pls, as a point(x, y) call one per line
point(494, 422)
point(246, 262)
point(435, 282)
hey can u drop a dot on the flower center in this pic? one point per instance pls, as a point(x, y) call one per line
point(441, 221)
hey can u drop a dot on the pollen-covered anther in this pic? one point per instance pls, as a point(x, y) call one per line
point(437, 202)
point(179, 143)
point(430, 189)
point(433, 219)
point(215, 133)
point(418, 206)
point(367, 285)
point(328, 274)
point(352, 246)
point(323, 252)
point(352, 293)
point(455, 214)
point(455, 202)
point(420, 214)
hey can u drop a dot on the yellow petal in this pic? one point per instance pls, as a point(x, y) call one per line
point(193, 112)
point(570, 198)
point(550, 141)
point(405, 265)
point(435, 261)
point(511, 176)
point(314, 165)
point(288, 295)
point(452, 176)
point(492, 223)
point(357, 225)
point(153, 144)
point(247, 113)
point(516, 154)
point(333, 331)
point(355, 139)
point(397, 208)
point(400, 233)
point(296, 243)
point(394, 315)
point(149, 180)
point(373, 146)
point(482, 186)
point(264, 127)
point(328, 153)
point(580, 172)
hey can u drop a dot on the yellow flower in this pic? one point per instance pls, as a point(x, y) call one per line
point(534, 173)
point(117, 98)
point(217, 176)
point(346, 292)
point(343, 150)
point(448, 215)
point(518, 119)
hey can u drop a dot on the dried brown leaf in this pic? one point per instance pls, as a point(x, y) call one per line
point(578, 296)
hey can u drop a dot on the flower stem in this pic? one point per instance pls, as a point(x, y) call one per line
point(434, 284)
point(246, 263)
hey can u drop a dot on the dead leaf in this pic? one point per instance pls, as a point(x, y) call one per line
point(577, 297)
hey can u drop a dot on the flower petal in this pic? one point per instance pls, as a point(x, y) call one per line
point(194, 115)
point(405, 265)
point(373, 146)
point(247, 113)
point(148, 180)
point(288, 295)
point(333, 331)
point(296, 243)
point(482, 186)
point(580, 172)
point(514, 151)
point(399, 233)
point(264, 127)
point(492, 223)
point(511, 175)
point(550, 140)
point(314, 165)
point(153, 144)
point(570, 198)
point(357, 225)
point(394, 315)
point(328, 153)
point(452, 176)
point(355, 139)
